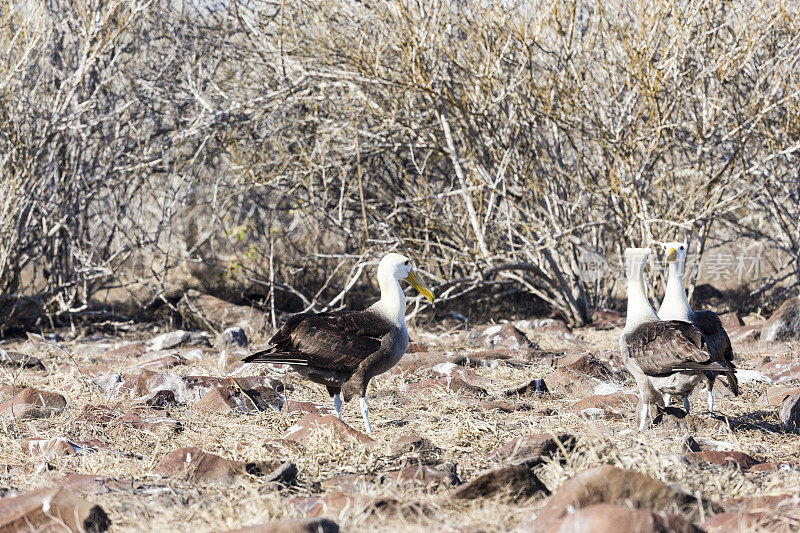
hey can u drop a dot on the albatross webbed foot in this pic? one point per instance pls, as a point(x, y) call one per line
point(365, 413)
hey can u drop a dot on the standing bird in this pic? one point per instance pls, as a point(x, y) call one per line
point(344, 350)
point(664, 357)
point(675, 306)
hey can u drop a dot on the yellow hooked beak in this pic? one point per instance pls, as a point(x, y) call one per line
point(672, 255)
point(417, 284)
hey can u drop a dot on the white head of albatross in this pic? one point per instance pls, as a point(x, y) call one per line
point(639, 308)
point(392, 269)
point(675, 305)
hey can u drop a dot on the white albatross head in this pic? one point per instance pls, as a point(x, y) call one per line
point(635, 261)
point(675, 252)
point(398, 267)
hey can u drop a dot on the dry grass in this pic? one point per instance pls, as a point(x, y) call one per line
point(464, 434)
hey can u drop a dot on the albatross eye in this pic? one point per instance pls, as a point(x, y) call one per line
point(407, 262)
point(681, 248)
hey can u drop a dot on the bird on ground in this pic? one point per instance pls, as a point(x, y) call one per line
point(675, 306)
point(664, 357)
point(344, 350)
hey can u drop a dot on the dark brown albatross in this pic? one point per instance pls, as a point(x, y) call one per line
point(345, 350)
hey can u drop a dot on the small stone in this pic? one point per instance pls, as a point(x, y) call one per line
point(500, 336)
point(51, 510)
point(790, 413)
point(605, 518)
point(163, 399)
point(293, 525)
point(513, 483)
point(776, 394)
point(227, 399)
point(784, 324)
point(312, 427)
point(20, 360)
point(408, 444)
point(616, 405)
point(537, 444)
point(197, 465)
point(535, 386)
point(30, 403)
point(175, 339)
point(231, 339)
point(724, 458)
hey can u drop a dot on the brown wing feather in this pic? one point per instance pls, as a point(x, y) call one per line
point(667, 347)
point(326, 341)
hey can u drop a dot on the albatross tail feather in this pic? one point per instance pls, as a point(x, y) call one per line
point(733, 381)
point(281, 358)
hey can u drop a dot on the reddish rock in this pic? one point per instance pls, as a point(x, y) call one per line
point(159, 363)
point(18, 360)
point(790, 413)
point(31, 403)
point(227, 399)
point(616, 405)
point(213, 314)
point(606, 518)
point(59, 446)
point(126, 351)
point(89, 484)
point(291, 406)
point(603, 319)
point(773, 467)
point(769, 501)
point(784, 324)
point(748, 521)
point(51, 510)
point(535, 386)
point(608, 484)
point(731, 320)
point(499, 336)
point(408, 444)
point(456, 383)
point(415, 362)
point(112, 418)
point(588, 365)
point(743, 334)
point(781, 369)
point(676, 419)
point(423, 475)
point(776, 394)
point(293, 525)
point(724, 458)
point(197, 465)
point(514, 482)
point(314, 427)
point(537, 444)
point(571, 383)
point(333, 503)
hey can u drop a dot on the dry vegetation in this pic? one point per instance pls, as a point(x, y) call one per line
point(463, 433)
point(269, 151)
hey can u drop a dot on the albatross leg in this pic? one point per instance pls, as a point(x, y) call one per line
point(337, 404)
point(686, 403)
point(667, 399)
point(643, 416)
point(711, 402)
point(365, 413)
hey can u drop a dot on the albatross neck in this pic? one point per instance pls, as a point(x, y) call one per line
point(639, 308)
point(675, 305)
point(392, 304)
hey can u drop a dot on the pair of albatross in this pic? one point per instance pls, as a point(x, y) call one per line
point(345, 350)
point(669, 353)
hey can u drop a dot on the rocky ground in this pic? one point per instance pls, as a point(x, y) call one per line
point(487, 428)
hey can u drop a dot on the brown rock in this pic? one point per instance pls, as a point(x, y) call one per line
point(513, 483)
point(423, 475)
point(588, 365)
point(333, 503)
point(790, 412)
point(89, 484)
point(781, 369)
point(196, 465)
point(616, 405)
point(31, 403)
point(312, 427)
point(537, 444)
point(675, 419)
point(226, 399)
point(159, 363)
point(731, 320)
point(724, 458)
point(784, 324)
point(20, 360)
point(775, 394)
point(608, 484)
point(290, 406)
point(293, 525)
point(535, 386)
point(126, 351)
point(408, 444)
point(51, 510)
point(500, 336)
point(113, 418)
point(605, 518)
point(748, 521)
point(414, 362)
point(456, 383)
point(570, 383)
point(603, 319)
point(59, 446)
point(745, 333)
point(216, 315)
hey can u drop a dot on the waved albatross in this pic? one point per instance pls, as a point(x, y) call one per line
point(664, 357)
point(344, 350)
point(675, 306)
